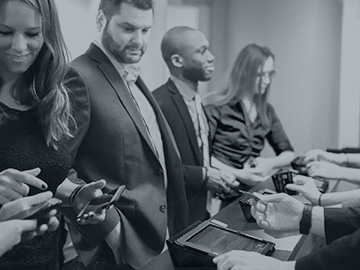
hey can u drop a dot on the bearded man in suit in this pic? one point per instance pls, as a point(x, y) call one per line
point(123, 137)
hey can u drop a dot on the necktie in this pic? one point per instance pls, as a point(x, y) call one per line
point(204, 132)
point(130, 76)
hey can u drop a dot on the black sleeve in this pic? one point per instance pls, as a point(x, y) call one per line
point(192, 173)
point(81, 111)
point(277, 137)
point(340, 222)
point(341, 254)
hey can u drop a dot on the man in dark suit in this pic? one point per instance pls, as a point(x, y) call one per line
point(123, 137)
point(282, 213)
point(187, 55)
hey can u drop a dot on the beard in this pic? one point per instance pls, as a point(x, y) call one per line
point(196, 74)
point(122, 55)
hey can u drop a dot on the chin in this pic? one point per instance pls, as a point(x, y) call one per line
point(132, 59)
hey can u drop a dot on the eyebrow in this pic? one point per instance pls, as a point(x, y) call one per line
point(127, 24)
point(27, 29)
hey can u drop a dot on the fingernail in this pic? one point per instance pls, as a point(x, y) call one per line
point(43, 186)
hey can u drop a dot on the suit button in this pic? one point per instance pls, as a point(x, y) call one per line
point(160, 171)
point(162, 208)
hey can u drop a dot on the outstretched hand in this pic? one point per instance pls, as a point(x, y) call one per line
point(262, 167)
point(324, 169)
point(277, 212)
point(305, 186)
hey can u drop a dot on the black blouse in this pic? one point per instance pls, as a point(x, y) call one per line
point(23, 147)
point(235, 138)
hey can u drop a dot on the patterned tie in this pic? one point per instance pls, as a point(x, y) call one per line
point(204, 131)
point(131, 75)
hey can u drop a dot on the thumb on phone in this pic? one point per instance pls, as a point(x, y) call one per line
point(96, 185)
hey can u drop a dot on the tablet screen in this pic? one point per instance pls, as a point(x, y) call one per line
point(221, 241)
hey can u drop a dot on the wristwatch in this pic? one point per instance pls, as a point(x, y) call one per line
point(305, 222)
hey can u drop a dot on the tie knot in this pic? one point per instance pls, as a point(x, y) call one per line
point(132, 73)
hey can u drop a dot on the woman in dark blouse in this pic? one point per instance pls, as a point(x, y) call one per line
point(35, 120)
point(241, 119)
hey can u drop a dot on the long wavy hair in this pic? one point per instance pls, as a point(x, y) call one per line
point(242, 81)
point(42, 86)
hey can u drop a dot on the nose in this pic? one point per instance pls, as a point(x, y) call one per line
point(210, 57)
point(137, 37)
point(266, 79)
point(19, 43)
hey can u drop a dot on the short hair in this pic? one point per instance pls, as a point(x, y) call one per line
point(171, 43)
point(42, 85)
point(111, 7)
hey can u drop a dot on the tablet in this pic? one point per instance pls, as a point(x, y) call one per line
point(212, 240)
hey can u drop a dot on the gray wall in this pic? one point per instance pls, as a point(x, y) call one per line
point(305, 36)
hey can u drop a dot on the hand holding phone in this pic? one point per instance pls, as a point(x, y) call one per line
point(40, 211)
point(101, 202)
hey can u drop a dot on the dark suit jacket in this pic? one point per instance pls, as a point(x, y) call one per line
point(179, 119)
point(342, 232)
point(112, 144)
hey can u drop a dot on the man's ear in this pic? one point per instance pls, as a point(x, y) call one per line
point(177, 61)
point(100, 21)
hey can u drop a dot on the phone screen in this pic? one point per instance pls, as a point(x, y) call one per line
point(102, 202)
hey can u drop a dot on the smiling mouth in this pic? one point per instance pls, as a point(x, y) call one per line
point(210, 68)
point(18, 58)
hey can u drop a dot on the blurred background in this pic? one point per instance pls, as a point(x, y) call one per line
point(316, 44)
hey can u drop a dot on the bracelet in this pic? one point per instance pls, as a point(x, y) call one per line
point(305, 222)
point(319, 200)
point(73, 194)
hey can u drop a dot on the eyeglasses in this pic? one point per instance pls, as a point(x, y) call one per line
point(269, 74)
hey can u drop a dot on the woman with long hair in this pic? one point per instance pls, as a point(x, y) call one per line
point(35, 120)
point(241, 119)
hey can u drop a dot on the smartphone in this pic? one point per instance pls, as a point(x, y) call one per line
point(38, 211)
point(250, 195)
point(321, 184)
point(102, 202)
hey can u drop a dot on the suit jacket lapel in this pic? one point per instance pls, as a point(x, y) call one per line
point(185, 115)
point(115, 80)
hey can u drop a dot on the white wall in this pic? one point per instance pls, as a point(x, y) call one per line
point(305, 36)
point(77, 19)
point(349, 118)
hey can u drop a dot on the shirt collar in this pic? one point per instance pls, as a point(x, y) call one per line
point(187, 91)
